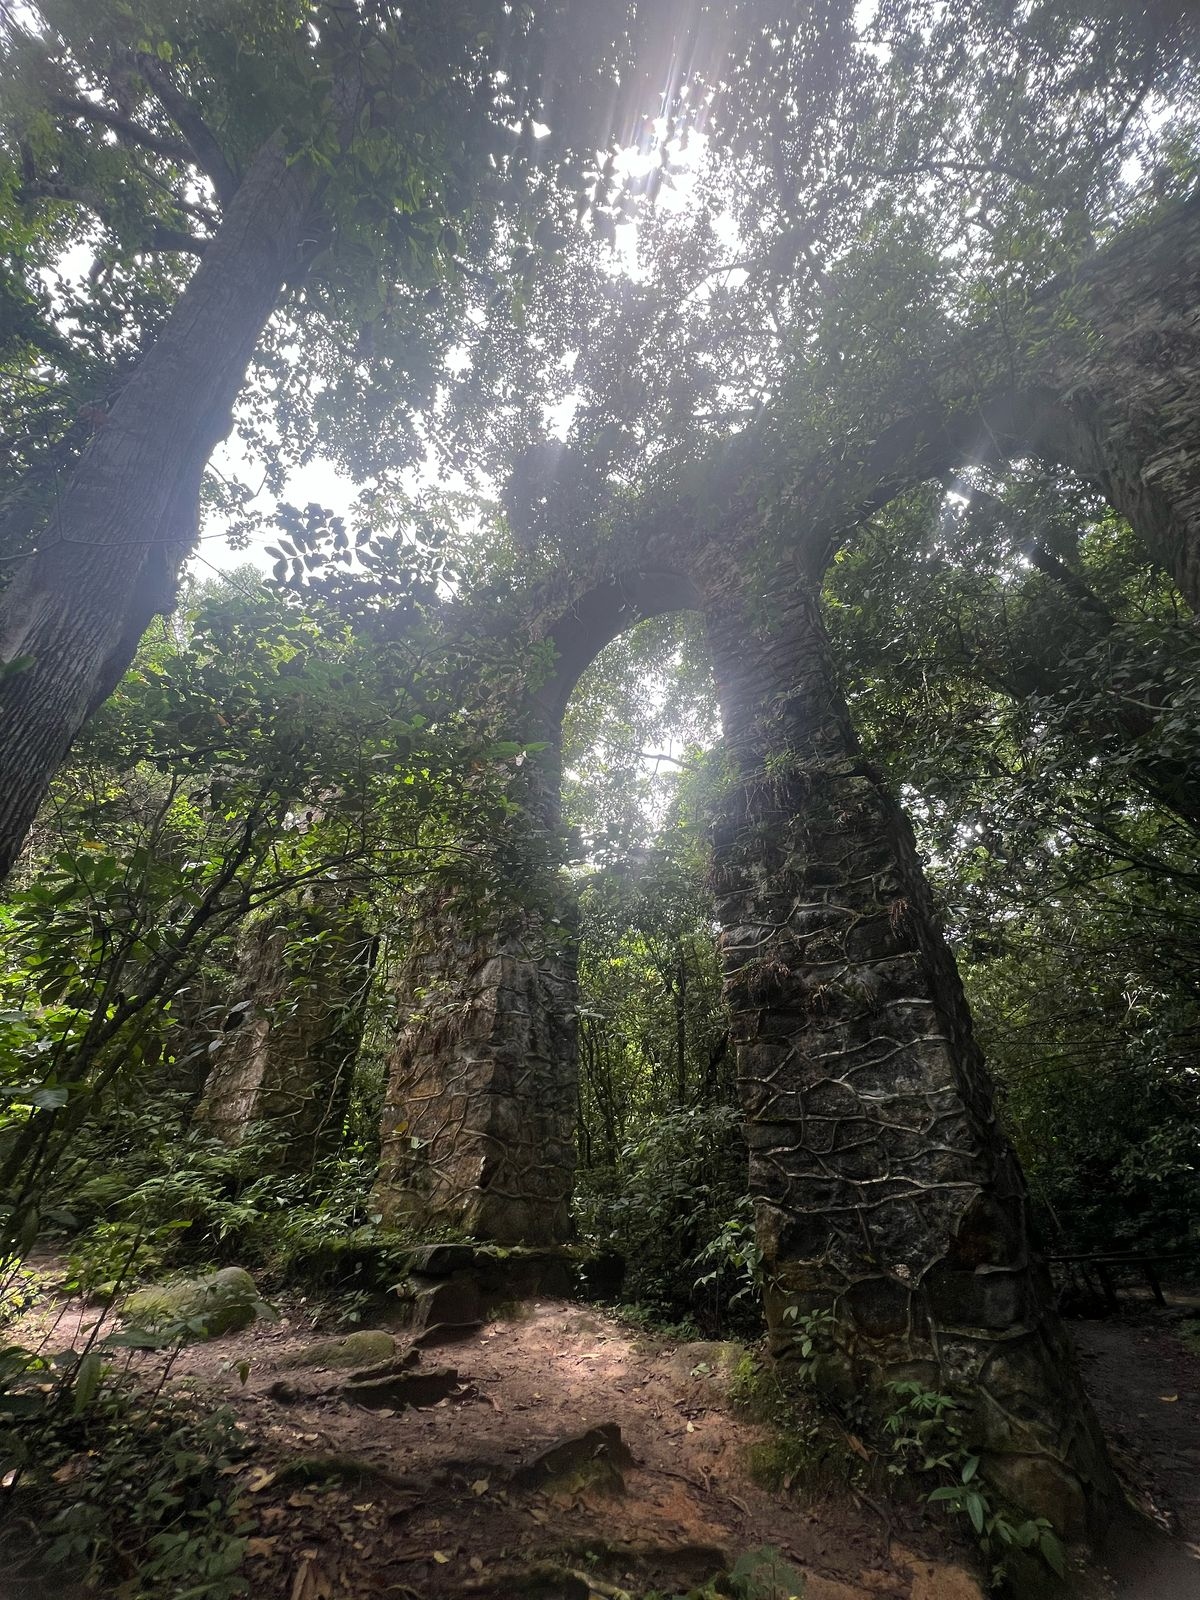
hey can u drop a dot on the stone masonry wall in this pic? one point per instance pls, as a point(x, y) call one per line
point(886, 1195)
point(288, 1061)
point(479, 1116)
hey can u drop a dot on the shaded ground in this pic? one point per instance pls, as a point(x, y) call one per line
point(1145, 1384)
point(449, 1500)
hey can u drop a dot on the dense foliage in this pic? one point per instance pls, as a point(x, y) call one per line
point(551, 275)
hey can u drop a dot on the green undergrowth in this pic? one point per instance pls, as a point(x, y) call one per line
point(908, 1443)
point(123, 1490)
point(648, 1320)
point(805, 1451)
point(147, 1211)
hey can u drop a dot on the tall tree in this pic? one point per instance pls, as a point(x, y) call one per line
point(366, 150)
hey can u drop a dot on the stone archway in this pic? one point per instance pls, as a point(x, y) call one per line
point(891, 1211)
point(480, 1108)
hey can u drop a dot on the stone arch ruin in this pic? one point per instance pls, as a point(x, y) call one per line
point(890, 1207)
point(889, 1204)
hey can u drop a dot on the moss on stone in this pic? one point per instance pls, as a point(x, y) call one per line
point(363, 1348)
point(220, 1302)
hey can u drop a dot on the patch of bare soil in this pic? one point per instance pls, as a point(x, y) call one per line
point(550, 1453)
point(1145, 1385)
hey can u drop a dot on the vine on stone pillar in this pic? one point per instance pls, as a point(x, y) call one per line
point(887, 1198)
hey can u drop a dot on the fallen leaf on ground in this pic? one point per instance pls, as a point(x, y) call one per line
point(311, 1581)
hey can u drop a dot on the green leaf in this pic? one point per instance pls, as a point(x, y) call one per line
point(976, 1510)
point(1053, 1553)
point(47, 1099)
point(87, 1381)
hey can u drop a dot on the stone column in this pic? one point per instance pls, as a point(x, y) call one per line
point(478, 1134)
point(482, 1098)
point(479, 1115)
point(886, 1195)
point(288, 1058)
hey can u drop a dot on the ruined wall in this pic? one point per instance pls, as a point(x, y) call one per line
point(482, 1096)
point(479, 1118)
point(1115, 390)
point(886, 1196)
point(298, 1013)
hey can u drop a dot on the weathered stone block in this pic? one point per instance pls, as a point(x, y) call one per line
point(220, 1302)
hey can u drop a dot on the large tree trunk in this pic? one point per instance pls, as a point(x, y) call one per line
point(110, 556)
point(887, 1198)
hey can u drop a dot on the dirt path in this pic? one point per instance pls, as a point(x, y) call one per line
point(455, 1496)
point(1145, 1386)
point(450, 1500)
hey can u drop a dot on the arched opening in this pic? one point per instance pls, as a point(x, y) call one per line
point(480, 1113)
point(662, 1162)
point(890, 1214)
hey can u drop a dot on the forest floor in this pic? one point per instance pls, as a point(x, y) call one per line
point(488, 1486)
point(1144, 1381)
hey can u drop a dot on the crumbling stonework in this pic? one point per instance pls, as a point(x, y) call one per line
point(1112, 386)
point(479, 1116)
point(890, 1207)
point(287, 1058)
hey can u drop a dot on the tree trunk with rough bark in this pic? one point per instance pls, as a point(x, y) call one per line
point(887, 1198)
point(109, 558)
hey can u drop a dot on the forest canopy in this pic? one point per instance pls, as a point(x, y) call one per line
point(743, 426)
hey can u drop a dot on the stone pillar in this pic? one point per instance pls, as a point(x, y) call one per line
point(1115, 390)
point(483, 1086)
point(886, 1195)
point(479, 1115)
point(478, 1135)
point(288, 1058)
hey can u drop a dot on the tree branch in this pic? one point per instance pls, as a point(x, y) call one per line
point(200, 138)
point(160, 237)
point(125, 128)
